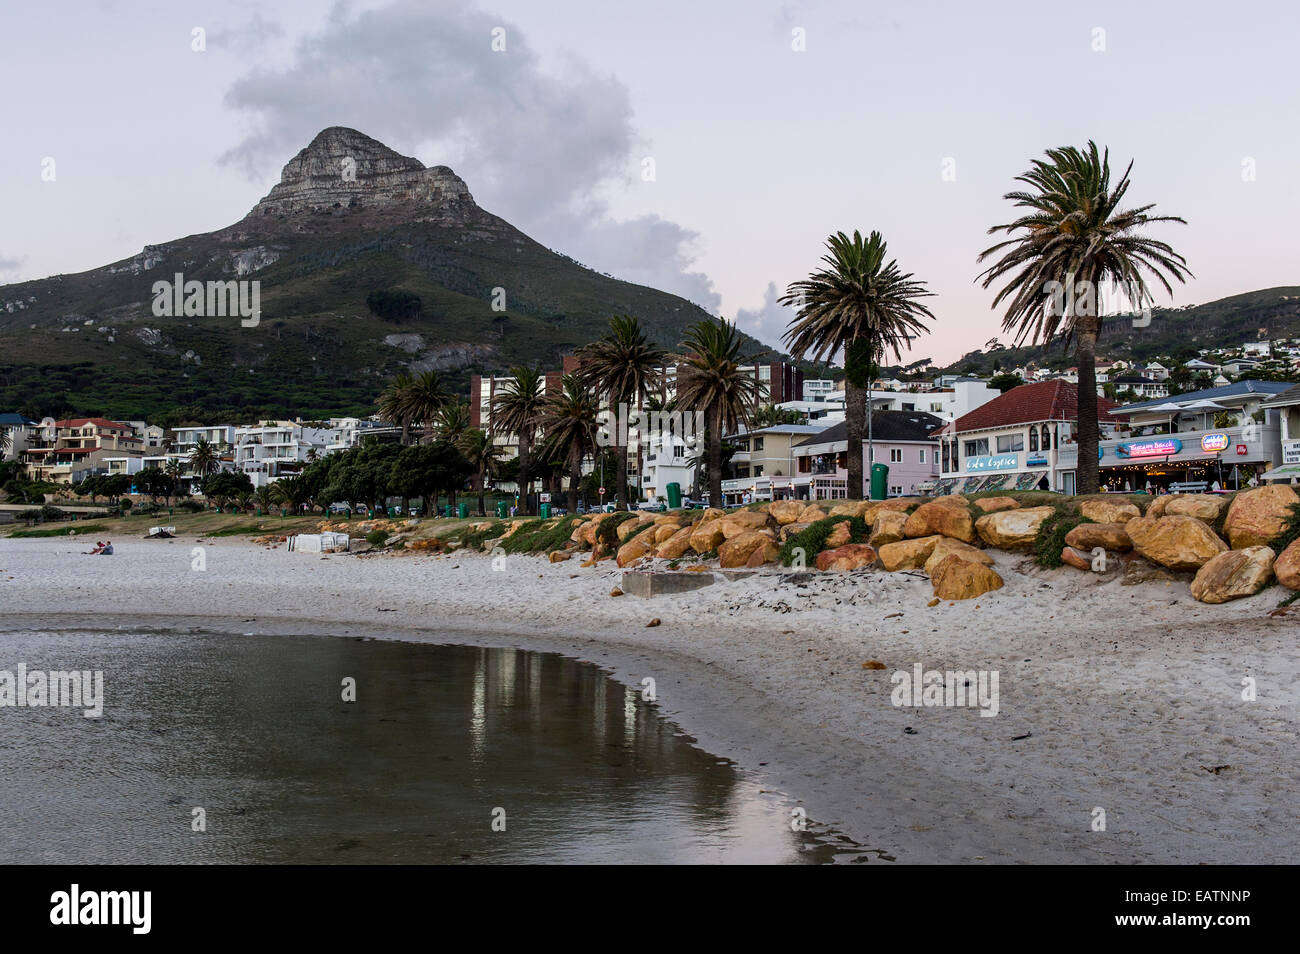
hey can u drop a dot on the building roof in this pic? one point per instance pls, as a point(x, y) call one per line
point(15, 420)
point(1237, 389)
point(1288, 397)
point(97, 421)
point(1054, 400)
point(885, 426)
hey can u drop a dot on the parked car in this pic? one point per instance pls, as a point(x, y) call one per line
point(658, 504)
point(689, 503)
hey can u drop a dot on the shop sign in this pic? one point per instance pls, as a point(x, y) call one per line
point(1213, 443)
point(1161, 448)
point(975, 465)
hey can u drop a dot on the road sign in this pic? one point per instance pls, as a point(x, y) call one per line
point(546, 498)
point(602, 491)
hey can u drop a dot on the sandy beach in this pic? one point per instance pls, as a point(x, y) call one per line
point(1126, 698)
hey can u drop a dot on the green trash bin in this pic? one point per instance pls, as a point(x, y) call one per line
point(546, 511)
point(879, 481)
point(674, 496)
point(463, 510)
point(502, 509)
point(283, 512)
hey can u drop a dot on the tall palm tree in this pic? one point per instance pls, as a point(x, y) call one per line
point(395, 403)
point(265, 497)
point(515, 410)
point(711, 379)
point(483, 453)
point(425, 400)
point(292, 492)
point(624, 366)
point(1074, 231)
point(863, 305)
point(204, 458)
point(174, 470)
point(569, 420)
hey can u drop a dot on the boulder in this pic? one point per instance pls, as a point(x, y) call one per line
point(1108, 536)
point(1156, 508)
point(735, 551)
point(706, 536)
point(1234, 574)
point(768, 553)
point(840, 535)
point(1072, 557)
point(576, 535)
point(743, 521)
point(957, 579)
point(1287, 566)
point(639, 546)
point(852, 556)
point(888, 528)
point(629, 528)
point(1179, 543)
point(950, 519)
point(1108, 511)
point(786, 511)
point(908, 554)
point(948, 547)
point(1205, 507)
point(811, 514)
point(666, 531)
point(955, 500)
point(1012, 529)
point(559, 556)
point(790, 530)
point(1255, 517)
point(851, 508)
point(675, 546)
point(994, 504)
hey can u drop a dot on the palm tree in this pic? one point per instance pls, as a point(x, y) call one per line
point(625, 367)
point(204, 458)
point(862, 305)
point(710, 379)
point(425, 399)
point(1072, 233)
point(292, 492)
point(265, 497)
point(451, 421)
point(569, 420)
point(175, 471)
point(396, 403)
point(483, 453)
point(515, 410)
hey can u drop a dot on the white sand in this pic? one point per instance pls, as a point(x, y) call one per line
point(1128, 693)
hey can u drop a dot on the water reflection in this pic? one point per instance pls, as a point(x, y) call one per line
point(441, 739)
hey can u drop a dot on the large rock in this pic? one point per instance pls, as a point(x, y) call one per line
point(666, 531)
point(1205, 507)
point(812, 513)
point(1287, 566)
point(675, 546)
point(790, 530)
point(641, 545)
point(957, 579)
point(707, 536)
point(1156, 508)
point(1072, 557)
point(743, 521)
point(1257, 516)
point(1234, 574)
point(994, 504)
point(949, 519)
point(1108, 536)
point(1179, 543)
point(888, 528)
point(735, 551)
point(840, 535)
point(851, 508)
point(852, 556)
point(947, 547)
point(1108, 511)
point(908, 554)
point(786, 511)
point(629, 528)
point(1012, 529)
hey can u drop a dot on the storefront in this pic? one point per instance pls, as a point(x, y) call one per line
point(1229, 457)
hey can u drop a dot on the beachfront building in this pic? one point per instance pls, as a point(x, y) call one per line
point(348, 432)
point(764, 467)
point(960, 396)
point(819, 389)
point(1021, 440)
point(1287, 406)
point(1223, 434)
point(64, 451)
point(269, 450)
point(903, 441)
point(17, 433)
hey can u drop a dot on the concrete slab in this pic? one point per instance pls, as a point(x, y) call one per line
point(646, 584)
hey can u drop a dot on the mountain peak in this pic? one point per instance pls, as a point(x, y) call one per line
point(342, 170)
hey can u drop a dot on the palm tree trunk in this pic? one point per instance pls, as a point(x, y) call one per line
point(1086, 471)
point(715, 459)
point(482, 482)
point(575, 478)
point(523, 475)
point(621, 487)
point(854, 412)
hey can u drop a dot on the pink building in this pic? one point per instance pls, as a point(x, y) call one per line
point(902, 441)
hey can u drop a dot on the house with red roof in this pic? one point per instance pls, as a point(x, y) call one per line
point(79, 444)
point(1019, 441)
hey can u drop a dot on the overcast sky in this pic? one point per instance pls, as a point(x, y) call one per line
point(760, 150)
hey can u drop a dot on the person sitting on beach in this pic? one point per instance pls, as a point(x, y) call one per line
point(108, 549)
point(99, 548)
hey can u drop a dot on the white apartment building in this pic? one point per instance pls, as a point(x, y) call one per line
point(269, 450)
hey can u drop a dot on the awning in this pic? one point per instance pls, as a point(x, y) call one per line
point(1285, 472)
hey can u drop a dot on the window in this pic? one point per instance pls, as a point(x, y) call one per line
point(977, 448)
point(895, 455)
point(896, 490)
point(946, 457)
point(922, 455)
point(1033, 440)
point(758, 443)
point(758, 471)
point(909, 407)
point(1047, 439)
point(1010, 443)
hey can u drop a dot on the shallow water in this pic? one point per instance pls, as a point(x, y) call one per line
point(444, 746)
